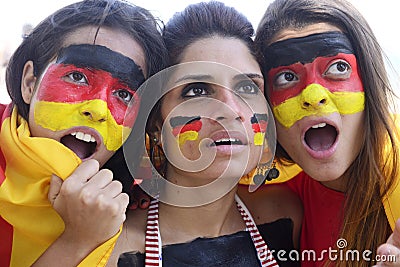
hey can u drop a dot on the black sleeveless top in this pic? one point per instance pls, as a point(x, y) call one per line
point(230, 250)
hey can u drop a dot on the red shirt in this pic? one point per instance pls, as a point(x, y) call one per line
point(322, 219)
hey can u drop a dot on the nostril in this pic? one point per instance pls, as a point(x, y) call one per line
point(102, 120)
point(306, 104)
point(86, 113)
point(323, 101)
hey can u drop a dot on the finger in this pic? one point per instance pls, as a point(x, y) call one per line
point(85, 171)
point(389, 255)
point(54, 188)
point(113, 189)
point(100, 186)
point(100, 180)
point(116, 206)
point(141, 196)
point(144, 203)
point(123, 200)
point(134, 205)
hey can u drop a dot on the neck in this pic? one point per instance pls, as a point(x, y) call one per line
point(337, 184)
point(183, 224)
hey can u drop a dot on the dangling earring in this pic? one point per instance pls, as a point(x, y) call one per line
point(157, 156)
point(259, 178)
point(261, 173)
point(273, 172)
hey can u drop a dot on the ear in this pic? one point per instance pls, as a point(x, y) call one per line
point(28, 82)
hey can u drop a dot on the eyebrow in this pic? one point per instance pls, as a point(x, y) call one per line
point(199, 77)
point(206, 77)
point(248, 76)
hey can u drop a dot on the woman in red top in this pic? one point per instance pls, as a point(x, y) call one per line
point(329, 91)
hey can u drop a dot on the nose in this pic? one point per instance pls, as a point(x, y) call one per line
point(95, 110)
point(230, 108)
point(314, 96)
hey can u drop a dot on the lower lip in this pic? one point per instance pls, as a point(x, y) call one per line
point(229, 149)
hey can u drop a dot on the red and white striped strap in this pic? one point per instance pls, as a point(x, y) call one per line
point(153, 239)
point(264, 254)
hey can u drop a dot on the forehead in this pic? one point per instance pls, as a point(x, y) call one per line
point(306, 49)
point(113, 39)
point(304, 31)
point(228, 51)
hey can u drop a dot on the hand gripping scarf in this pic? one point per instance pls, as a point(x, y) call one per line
point(28, 223)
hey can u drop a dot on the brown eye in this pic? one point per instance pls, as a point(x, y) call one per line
point(247, 87)
point(77, 77)
point(195, 89)
point(124, 95)
point(289, 76)
point(339, 70)
point(285, 80)
point(341, 67)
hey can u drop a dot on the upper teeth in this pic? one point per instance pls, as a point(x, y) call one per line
point(83, 136)
point(227, 140)
point(320, 125)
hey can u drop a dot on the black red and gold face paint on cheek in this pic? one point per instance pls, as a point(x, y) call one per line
point(103, 74)
point(186, 128)
point(57, 87)
point(259, 122)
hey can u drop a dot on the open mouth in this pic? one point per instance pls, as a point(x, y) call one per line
point(321, 137)
point(83, 144)
point(226, 142)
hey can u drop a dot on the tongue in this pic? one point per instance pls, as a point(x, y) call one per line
point(321, 139)
point(81, 148)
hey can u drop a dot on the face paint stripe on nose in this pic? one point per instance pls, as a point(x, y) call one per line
point(293, 109)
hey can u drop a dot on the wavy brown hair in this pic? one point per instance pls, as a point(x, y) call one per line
point(371, 175)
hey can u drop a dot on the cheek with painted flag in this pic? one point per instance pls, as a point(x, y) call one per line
point(259, 124)
point(186, 128)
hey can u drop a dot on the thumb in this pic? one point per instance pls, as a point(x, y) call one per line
point(55, 186)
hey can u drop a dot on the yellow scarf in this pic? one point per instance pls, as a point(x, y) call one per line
point(30, 162)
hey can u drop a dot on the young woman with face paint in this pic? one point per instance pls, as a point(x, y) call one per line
point(71, 82)
point(329, 91)
point(212, 105)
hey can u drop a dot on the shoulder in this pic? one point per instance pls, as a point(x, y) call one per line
point(272, 202)
point(132, 237)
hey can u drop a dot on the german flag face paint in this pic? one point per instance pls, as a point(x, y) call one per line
point(185, 128)
point(90, 85)
point(313, 75)
point(259, 125)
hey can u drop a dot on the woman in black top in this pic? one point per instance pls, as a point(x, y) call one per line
point(213, 125)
